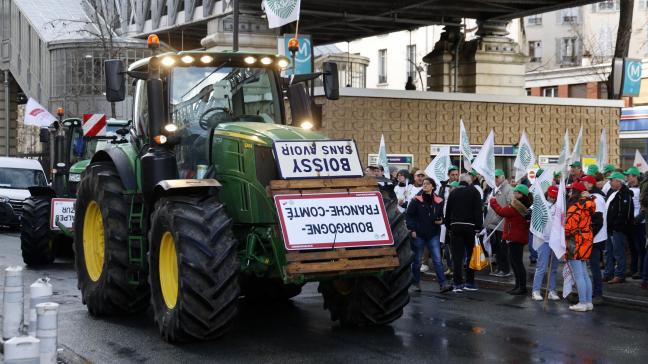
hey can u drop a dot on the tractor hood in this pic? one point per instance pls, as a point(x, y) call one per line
point(265, 133)
point(79, 166)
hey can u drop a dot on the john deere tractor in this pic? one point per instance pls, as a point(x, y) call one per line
point(185, 216)
point(69, 152)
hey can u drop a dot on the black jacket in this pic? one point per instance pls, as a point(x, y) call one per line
point(464, 207)
point(597, 218)
point(422, 213)
point(620, 212)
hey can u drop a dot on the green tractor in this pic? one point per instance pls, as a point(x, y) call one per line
point(185, 217)
point(43, 234)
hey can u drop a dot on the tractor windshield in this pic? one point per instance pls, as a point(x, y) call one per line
point(203, 97)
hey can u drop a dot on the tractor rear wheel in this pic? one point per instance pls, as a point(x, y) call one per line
point(193, 268)
point(374, 300)
point(36, 238)
point(101, 245)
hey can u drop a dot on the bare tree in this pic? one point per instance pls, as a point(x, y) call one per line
point(624, 33)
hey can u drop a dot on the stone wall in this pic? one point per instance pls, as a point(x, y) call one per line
point(411, 125)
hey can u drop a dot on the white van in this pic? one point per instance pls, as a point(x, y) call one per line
point(16, 176)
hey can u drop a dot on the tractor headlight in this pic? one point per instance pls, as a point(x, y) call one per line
point(75, 177)
point(306, 124)
point(171, 128)
point(4, 199)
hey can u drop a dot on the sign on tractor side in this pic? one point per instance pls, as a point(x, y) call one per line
point(62, 211)
point(317, 159)
point(333, 220)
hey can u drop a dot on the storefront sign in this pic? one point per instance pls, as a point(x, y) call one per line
point(317, 159)
point(500, 150)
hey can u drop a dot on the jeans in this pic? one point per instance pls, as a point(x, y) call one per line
point(637, 248)
point(516, 251)
point(434, 246)
point(463, 242)
point(595, 266)
point(545, 256)
point(533, 254)
point(615, 253)
point(583, 282)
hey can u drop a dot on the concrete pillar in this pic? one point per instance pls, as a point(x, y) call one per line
point(254, 35)
point(441, 61)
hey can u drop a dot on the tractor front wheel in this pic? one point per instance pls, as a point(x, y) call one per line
point(193, 268)
point(36, 239)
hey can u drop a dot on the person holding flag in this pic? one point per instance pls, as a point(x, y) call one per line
point(545, 255)
point(504, 195)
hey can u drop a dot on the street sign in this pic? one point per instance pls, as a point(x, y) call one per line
point(317, 158)
point(631, 83)
point(62, 210)
point(94, 125)
point(303, 58)
point(333, 220)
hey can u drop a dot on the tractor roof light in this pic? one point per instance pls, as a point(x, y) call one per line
point(60, 111)
point(153, 41)
point(206, 59)
point(282, 63)
point(171, 128)
point(249, 60)
point(307, 125)
point(168, 61)
point(160, 139)
point(187, 59)
point(266, 60)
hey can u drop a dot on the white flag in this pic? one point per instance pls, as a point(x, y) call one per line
point(37, 115)
point(557, 235)
point(464, 145)
point(281, 12)
point(640, 162)
point(576, 153)
point(382, 156)
point(568, 280)
point(602, 154)
point(484, 163)
point(539, 214)
point(563, 159)
point(525, 158)
point(543, 181)
point(438, 168)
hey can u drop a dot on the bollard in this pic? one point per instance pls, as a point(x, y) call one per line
point(12, 311)
point(39, 292)
point(46, 328)
point(22, 350)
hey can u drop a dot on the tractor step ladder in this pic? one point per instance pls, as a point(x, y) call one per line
point(136, 241)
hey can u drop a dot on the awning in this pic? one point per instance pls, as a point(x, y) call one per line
point(634, 118)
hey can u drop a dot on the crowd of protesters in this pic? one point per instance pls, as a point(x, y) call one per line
point(604, 219)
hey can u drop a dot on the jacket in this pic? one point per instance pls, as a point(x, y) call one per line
point(464, 207)
point(422, 214)
point(620, 210)
point(404, 194)
point(599, 217)
point(504, 196)
point(516, 226)
point(578, 228)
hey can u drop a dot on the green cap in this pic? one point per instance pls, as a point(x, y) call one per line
point(577, 164)
point(633, 171)
point(557, 174)
point(499, 172)
point(539, 172)
point(617, 175)
point(453, 168)
point(473, 172)
point(592, 169)
point(609, 168)
point(454, 184)
point(523, 189)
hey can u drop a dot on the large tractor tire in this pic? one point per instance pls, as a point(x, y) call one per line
point(36, 238)
point(193, 268)
point(101, 245)
point(372, 300)
point(267, 290)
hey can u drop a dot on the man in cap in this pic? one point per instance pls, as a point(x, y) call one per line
point(607, 170)
point(600, 237)
point(453, 176)
point(638, 233)
point(575, 172)
point(446, 187)
point(475, 182)
point(619, 219)
point(592, 169)
point(556, 178)
point(504, 195)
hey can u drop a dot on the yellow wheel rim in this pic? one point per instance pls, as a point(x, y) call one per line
point(93, 241)
point(168, 270)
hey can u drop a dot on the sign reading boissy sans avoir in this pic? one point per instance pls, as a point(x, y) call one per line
point(333, 220)
point(317, 159)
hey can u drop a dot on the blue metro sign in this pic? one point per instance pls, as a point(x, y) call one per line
point(631, 77)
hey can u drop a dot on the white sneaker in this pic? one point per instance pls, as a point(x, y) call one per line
point(589, 306)
point(553, 296)
point(579, 307)
point(536, 296)
point(424, 268)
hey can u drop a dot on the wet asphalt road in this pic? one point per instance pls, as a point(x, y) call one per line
point(488, 326)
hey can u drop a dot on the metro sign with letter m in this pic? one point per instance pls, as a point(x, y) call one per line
point(631, 77)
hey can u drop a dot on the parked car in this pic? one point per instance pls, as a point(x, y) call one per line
point(16, 176)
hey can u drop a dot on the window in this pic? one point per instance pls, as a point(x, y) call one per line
point(535, 51)
point(569, 52)
point(569, 16)
point(609, 5)
point(382, 66)
point(535, 19)
point(550, 91)
point(411, 61)
point(528, 92)
point(643, 4)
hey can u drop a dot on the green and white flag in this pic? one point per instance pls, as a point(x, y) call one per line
point(543, 182)
point(438, 168)
point(484, 163)
point(281, 12)
point(464, 145)
point(563, 159)
point(602, 153)
point(557, 234)
point(576, 153)
point(382, 156)
point(525, 158)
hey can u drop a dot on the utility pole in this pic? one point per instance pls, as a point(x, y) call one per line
point(235, 31)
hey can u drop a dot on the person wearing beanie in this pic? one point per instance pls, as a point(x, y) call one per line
point(516, 232)
point(637, 241)
point(403, 189)
point(599, 229)
point(504, 195)
point(546, 255)
point(578, 241)
point(619, 220)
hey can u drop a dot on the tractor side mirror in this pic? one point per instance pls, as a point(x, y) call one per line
point(300, 106)
point(44, 135)
point(331, 82)
point(115, 80)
